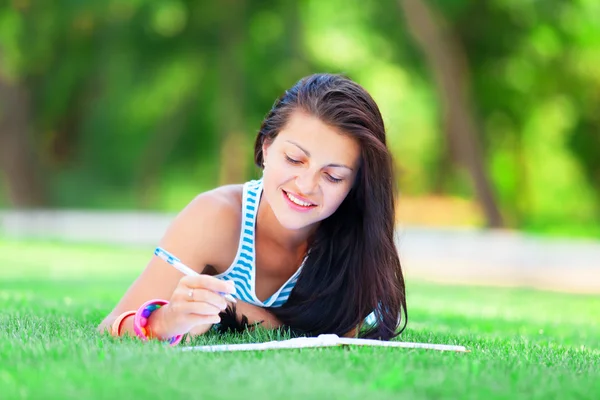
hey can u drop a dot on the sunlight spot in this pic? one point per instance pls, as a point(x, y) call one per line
point(6, 377)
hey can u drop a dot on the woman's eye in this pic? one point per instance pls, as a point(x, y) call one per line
point(332, 179)
point(291, 160)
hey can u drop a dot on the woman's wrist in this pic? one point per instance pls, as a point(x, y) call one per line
point(127, 327)
point(143, 324)
point(155, 326)
point(117, 324)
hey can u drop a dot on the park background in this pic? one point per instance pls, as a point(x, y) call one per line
point(492, 108)
point(115, 114)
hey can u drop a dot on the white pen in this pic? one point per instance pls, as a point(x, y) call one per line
point(176, 262)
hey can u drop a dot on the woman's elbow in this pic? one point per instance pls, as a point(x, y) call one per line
point(105, 326)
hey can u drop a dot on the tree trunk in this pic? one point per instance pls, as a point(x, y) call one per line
point(443, 169)
point(235, 145)
point(447, 62)
point(18, 161)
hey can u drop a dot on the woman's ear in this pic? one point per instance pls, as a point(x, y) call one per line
point(265, 147)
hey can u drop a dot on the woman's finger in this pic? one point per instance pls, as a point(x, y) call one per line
point(202, 295)
point(200, 308)
point(208, 282)
point(197, 320)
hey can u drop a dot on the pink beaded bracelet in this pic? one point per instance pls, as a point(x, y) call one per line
point(140, 321)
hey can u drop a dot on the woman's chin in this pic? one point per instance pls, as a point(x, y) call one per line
point(295, 224)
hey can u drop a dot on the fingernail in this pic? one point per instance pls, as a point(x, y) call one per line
point(232, 287)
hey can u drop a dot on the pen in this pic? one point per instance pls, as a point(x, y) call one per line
point(176, 262)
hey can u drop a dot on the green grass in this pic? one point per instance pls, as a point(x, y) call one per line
point(524, 344)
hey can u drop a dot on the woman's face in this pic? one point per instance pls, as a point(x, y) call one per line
point(309, 169)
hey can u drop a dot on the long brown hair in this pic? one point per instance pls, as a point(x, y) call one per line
point(353, 266)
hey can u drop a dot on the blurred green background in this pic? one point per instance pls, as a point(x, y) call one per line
point(492, 107)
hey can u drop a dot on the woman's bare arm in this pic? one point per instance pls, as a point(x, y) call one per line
point(201, 230)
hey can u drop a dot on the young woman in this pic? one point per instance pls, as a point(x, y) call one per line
point(309, 246)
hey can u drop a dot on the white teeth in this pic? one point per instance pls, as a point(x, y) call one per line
point(297, 201)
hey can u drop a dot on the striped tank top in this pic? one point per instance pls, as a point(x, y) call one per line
point(243, 269)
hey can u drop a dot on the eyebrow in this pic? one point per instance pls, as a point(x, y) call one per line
point(308, 155)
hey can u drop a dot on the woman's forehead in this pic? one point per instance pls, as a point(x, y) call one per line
point(312, 136)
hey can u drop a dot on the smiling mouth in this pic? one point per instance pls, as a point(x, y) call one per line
point(297, 201)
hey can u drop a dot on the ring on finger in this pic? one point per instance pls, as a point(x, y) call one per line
point(191, 294)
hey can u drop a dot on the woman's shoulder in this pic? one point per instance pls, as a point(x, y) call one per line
point(222, 197)
point(207, 230)
point(224, 201)
point(221, 205)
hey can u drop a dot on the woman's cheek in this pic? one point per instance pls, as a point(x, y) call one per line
point(342, 196)
point(332, 201)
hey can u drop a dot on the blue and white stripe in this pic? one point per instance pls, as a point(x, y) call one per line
point(243, 269)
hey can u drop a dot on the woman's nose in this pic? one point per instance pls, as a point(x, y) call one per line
point(307, 182)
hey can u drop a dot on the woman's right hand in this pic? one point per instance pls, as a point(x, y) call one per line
point(195, 302)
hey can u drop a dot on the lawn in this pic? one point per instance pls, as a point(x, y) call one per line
point(524, 344)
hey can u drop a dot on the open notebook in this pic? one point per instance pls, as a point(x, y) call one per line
point(322, 341)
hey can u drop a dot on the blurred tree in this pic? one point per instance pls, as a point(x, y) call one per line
point(538, 97)
point(447, 62)
point(231, 112)
point(18, 158)
point(143, 104)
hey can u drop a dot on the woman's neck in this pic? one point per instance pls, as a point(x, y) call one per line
point(295, 240)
